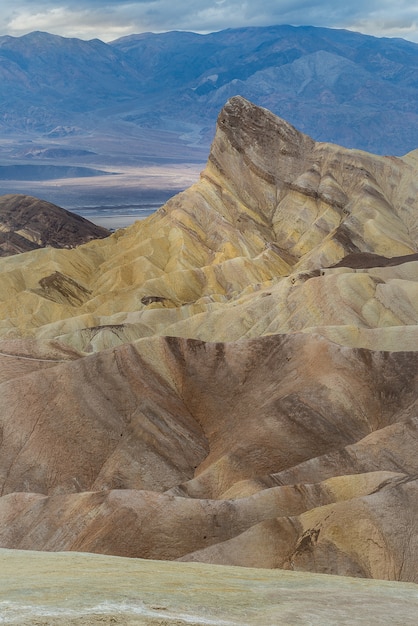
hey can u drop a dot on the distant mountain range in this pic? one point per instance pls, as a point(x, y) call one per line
point(335, 85)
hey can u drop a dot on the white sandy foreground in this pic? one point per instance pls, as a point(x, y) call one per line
point(41, 588)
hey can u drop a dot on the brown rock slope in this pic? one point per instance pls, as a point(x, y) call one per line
point(28, 223)
point(233, 380)
point(174, 448)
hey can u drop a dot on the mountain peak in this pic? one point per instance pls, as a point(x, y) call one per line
point(250, 126)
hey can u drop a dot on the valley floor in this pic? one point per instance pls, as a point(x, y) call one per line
point(112, 201)
point(38, 588)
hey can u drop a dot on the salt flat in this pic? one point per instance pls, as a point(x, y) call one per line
point(143, 185)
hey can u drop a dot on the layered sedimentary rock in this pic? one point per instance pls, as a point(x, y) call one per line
point(232, 380)
point(27, 223)
point(172, 448)
point(243, 253)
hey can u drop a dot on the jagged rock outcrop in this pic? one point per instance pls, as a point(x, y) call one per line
point(27, 223)
point(232, 380)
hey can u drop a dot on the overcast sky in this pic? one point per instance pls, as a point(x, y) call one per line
point(108, 20)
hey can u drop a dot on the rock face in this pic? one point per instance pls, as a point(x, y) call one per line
point(28, 223)
point(232, 380)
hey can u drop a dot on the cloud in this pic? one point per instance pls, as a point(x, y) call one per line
point(107, 19)
point(85, 23)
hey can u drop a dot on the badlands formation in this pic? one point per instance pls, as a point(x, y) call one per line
point(27, 223)
point(231, 381)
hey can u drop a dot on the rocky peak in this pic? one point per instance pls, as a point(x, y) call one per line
point(263, 141)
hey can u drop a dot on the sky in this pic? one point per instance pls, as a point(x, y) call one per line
point(108, 20)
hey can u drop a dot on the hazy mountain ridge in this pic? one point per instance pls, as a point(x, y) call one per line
point(335, 85)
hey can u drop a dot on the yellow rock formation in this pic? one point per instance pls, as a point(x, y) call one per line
point(242, 253)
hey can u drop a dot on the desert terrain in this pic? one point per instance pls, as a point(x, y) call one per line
point(231, 381)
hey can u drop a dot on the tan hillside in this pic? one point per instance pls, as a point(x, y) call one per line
point(232, 380)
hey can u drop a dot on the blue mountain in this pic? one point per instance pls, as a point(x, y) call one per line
point(335, 85)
